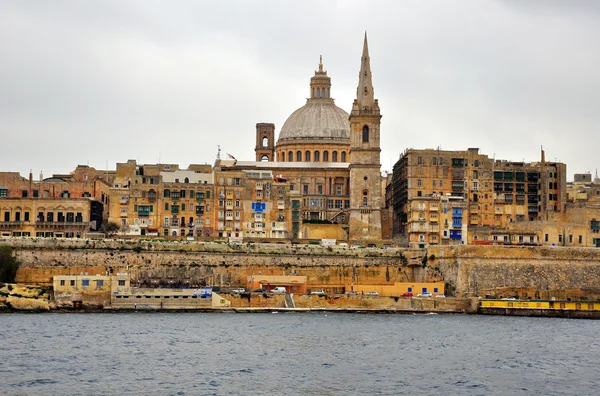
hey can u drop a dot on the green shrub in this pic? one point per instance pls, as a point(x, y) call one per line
point(8, 265)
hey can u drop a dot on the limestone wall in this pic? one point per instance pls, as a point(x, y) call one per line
point(527, 272)
point(215, 264)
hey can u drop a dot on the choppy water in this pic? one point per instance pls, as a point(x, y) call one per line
point(295, 354)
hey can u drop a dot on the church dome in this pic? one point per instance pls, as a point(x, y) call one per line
point(319, 119)
point(316, 120)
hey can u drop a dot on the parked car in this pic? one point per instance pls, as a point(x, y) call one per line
point(319, 292)
point(372, 293)
point(406, 294)
point(261, 290)
point(441, 295)
point(509, 298)
point(425, 294)
point(352, 292)
point(279, 289)
point(238, 290)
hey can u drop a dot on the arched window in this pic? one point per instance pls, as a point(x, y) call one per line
point(318, 92)
point(167, 193)
point(365, 201)
point(186, 180)
point(365, 134)
point(334, 156)
point(325, 156)
point(343, 156)
point(317, 156)
point(265, 141)
point(307, 155)
point(298, 156)
point(323, 93)
point(290, 156)
point(313, 93)
point(264, 158)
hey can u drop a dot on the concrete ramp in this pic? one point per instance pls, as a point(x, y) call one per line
point(289, 301)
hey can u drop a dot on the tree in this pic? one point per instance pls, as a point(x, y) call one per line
point(110, 228)
point(8, 265)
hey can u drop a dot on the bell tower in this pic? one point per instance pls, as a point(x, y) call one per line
point(365, 175)
point(265, 142)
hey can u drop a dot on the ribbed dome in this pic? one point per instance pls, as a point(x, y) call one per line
point(318, 119)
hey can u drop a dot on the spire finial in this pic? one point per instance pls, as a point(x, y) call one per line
point(364, 91)
point(320, 63)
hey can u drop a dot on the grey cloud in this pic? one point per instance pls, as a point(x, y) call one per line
point(109, 81)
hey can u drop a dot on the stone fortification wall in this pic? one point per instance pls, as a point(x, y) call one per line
point(527, 272)
point(214, 263)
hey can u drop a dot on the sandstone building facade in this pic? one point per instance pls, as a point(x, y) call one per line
point(493, 193)
point(60, 206)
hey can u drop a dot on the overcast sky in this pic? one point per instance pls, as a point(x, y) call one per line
point(97, 82)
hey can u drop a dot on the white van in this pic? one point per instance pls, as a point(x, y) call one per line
point(279, 289)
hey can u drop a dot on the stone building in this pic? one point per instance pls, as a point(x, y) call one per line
point(328, 164)
point(162, 199)
point(59, 206)
point(496, 193)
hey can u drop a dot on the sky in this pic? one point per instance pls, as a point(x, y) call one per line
point(100, 82)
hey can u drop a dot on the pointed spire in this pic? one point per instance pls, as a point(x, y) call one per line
point(364, 92)
point(321, 63)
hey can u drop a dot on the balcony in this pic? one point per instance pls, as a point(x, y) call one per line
point(229, 217)
point(10, 224)
point(142, 212)
point(278, 226)
point(124, 200)
point(434, 208)
point(280, 205)
point(61, 224)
